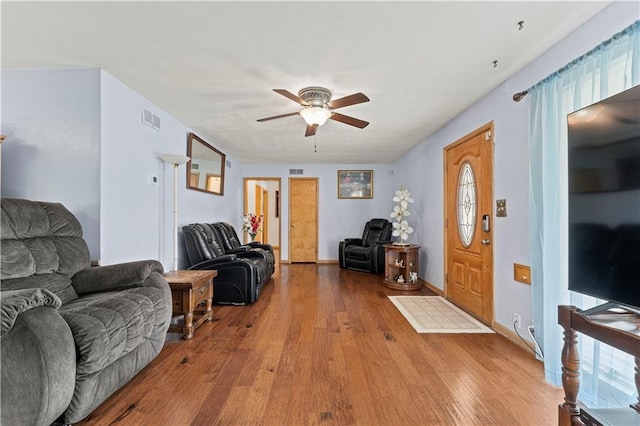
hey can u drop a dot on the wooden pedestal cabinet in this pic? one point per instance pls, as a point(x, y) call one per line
point(399, 262)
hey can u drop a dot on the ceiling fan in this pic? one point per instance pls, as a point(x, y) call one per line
point(318, 108)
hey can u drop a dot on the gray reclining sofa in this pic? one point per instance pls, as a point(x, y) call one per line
point(71, 335)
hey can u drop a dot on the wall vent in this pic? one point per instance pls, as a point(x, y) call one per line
point(228, 163)
point(195, 166)
point(150, 119)
point(295, 171)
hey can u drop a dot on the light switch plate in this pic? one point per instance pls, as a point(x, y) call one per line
point(501, 208)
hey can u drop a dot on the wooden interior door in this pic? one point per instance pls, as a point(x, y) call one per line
point(303, 220)
point(265, 216)
point(469, 222)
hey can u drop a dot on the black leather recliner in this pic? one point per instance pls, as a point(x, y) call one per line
point(241, 276)
point(231, 244)
point(366, 253)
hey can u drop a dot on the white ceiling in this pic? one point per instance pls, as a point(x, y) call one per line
point(212, 65)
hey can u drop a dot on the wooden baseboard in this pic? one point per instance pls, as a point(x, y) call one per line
point(513, 337)
point(431, 287)
point(328, 262)
point(498, 328)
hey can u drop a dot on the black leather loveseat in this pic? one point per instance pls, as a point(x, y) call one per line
point(241, 275)
point(231, 244)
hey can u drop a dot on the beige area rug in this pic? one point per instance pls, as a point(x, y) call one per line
point(434, 314)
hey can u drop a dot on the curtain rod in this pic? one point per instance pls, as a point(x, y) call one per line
point(517, 97)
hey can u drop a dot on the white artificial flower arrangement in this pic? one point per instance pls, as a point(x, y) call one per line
point(401, 227)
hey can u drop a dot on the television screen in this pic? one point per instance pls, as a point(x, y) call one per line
point(604, 199)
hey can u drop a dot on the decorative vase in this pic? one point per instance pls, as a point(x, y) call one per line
point(252, 235)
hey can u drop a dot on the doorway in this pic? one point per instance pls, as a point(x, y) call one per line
point(468, 189)
point(262, 197)
point(303, 220)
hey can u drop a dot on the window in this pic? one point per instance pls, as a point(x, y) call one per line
point(467, 204)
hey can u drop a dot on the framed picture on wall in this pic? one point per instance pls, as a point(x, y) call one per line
point(355, 184)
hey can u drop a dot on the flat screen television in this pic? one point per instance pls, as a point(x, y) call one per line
point(604, 199)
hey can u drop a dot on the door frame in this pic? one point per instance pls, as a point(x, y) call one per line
point(488, 127)
point(317, 180)
point(245, 183)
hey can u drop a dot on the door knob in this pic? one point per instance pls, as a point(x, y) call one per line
point(293, 225)
point(486, 242)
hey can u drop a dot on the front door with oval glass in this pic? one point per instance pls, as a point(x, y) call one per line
point(469, 199)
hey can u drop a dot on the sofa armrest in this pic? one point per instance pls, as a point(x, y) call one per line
point(38, 358)
point(115, 277)
point(241, 249)
point(15, 302)
point(211, 263)
point(264, 246)
point(349, 241)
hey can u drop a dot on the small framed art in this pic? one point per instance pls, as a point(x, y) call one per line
point(355, 184)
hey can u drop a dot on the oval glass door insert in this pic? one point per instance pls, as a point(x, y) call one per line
point(467, 204)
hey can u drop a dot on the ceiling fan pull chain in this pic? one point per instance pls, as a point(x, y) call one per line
point(315, 146)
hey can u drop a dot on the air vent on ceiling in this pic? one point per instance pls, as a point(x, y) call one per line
point(295, 171)
point(150, 119)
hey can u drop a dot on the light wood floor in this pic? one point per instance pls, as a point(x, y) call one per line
point(326, 346)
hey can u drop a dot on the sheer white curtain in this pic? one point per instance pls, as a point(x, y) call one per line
point(611, 67)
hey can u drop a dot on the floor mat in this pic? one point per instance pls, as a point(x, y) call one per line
point(434, 314)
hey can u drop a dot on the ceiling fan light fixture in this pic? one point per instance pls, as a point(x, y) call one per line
point(315, 115)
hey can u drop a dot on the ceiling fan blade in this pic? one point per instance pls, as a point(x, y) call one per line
point(349, 120)
point(356, 98)
point(291, 96)
point(278, 116)
point(311, 129)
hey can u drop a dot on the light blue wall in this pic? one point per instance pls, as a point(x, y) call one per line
point(423, 166)
point(52, 152)
point(136, 216)
point(338, 218)
point(77, 137)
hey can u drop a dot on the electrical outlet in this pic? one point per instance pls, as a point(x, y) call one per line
point(517, 321)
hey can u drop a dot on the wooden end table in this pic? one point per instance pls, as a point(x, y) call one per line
point(189, 289)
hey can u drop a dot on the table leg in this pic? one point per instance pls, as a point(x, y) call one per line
point(208, 311)
point(570, 375)
point(188, 325)
point(637, 377)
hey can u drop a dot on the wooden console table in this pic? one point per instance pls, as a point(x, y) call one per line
point(190, 290)
point(399, 261)
point(617, 328)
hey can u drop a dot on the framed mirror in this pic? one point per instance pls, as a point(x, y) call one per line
point(205, 171)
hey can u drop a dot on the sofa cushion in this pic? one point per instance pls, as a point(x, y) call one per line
point(107, 326)
point(58, 284)
point(23, 219)
point(40, 242)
